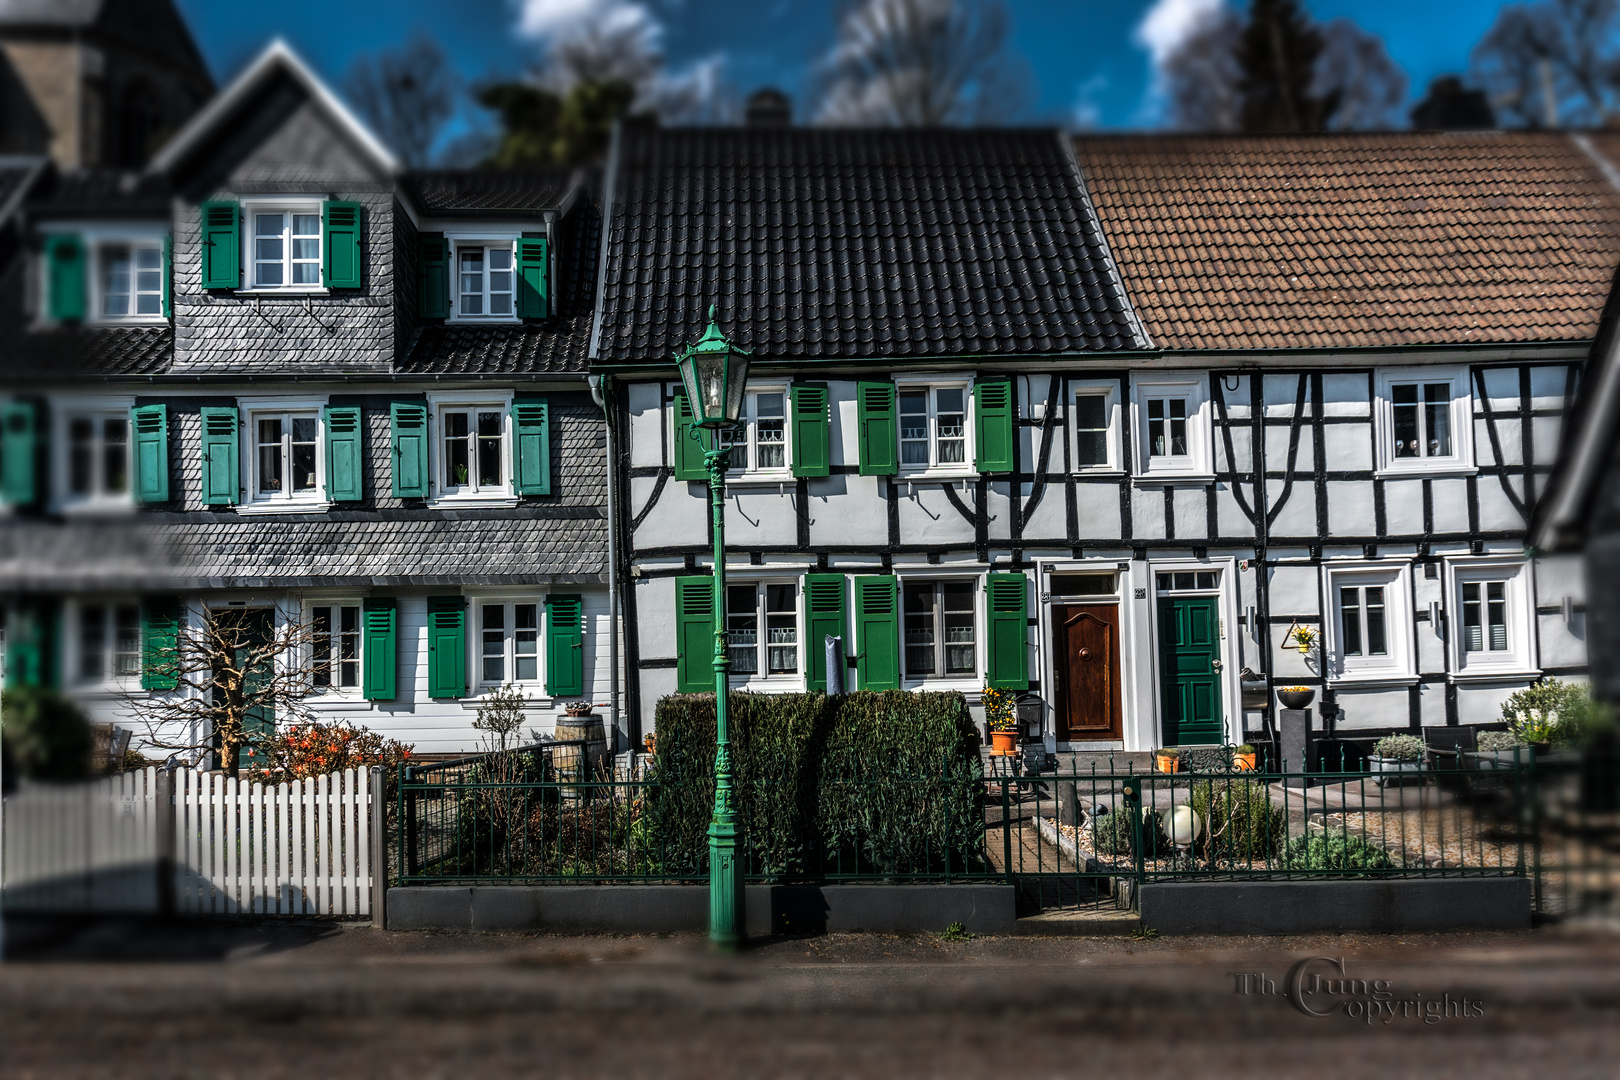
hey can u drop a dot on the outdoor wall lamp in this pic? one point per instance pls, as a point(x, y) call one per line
point(715, 373)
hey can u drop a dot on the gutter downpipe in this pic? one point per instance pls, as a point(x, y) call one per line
point(599, 392)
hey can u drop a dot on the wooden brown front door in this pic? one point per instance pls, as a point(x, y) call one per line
point(1087, 649)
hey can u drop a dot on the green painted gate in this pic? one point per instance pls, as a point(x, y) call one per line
point(1189, 660)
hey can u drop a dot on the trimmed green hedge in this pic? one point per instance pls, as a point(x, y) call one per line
point(874, 782)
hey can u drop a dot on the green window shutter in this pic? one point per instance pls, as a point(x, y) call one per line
point(168, 277)
point(565, 646)
point(877, 632)
point(812, 431)
point(993, 425)
point(532, 296)
point(880, 436)
point(151, 426)
point(32, 631)
point(447, 647)
point(531, 450)
point(1009, 637)
point(345, 453)
point(160, 643)
point(340, 244)
point(686, 451)
point(221, 470)
point(433, 277)
point(23, 452)
point(65, 270)
point(379, 647)
point(823, 618)
point(408, 431)
point(221, 241)
point(694, 634)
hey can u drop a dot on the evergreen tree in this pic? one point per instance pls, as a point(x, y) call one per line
point(1277, 53)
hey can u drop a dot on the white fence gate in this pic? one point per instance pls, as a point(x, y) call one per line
point(197, 843)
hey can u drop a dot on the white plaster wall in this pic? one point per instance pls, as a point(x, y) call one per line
point(1096, 507)
point(1403, 507)
point(1347, 446)
point(1147, 513)
point(647, 420)
point(1346, 394)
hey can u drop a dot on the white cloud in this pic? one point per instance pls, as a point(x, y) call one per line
point(1167, 24)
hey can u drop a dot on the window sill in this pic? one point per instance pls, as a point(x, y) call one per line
point(1098, 473)
point(98, 508)
point(1502, 674)
point(117, 323)
point(1151, 478)
point(969, 685)
point(538, 700)
point(761, 480)
point(340, 702)
point(284, 506)
point(482, 320)
point(1423, 472)
point(936, 477)
point(472, 502)
point(302, 290)
point(1373, 682)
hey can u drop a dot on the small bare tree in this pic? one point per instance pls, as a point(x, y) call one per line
point(1552, 63)
point(922, 63)
point(407, 95)
point(227, 667)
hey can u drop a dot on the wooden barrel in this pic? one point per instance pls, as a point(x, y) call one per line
point(580, 761)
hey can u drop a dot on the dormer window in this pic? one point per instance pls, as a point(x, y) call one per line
point(101, 274)
point(287, 248)
point(484, 276)
point(131, 280)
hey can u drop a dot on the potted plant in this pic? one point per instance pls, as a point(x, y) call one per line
point(1243, 758)
point(1304, 639)
point(1394, 756)
point(1167, 759)
point(577, 708)
point(1296, 697)
point(1001, 717)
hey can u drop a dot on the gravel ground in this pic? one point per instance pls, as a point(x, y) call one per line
point(283, 999)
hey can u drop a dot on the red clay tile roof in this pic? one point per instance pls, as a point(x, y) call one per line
point(1318, 241)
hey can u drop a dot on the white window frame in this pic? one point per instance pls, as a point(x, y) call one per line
point(933, 384)
point(73, 642)
point(940, 680)
point(64, 412)
point(251, 208)
point(484, 241)
point(1198, 463)
point(749, 431)
point(335, 689)
point(1519, 660)
point(1109, 392)
point(97, 237)
point(1399, 664)
point(255, 409)
point(1461, 459)
point(475, 642)
point(470, 494)
point(763, 678)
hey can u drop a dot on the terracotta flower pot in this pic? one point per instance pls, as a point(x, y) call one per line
point(1167, 764)
point(1244, 762)
point(1004, 742)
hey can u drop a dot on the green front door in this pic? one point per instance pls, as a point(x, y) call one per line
point(1189, 657)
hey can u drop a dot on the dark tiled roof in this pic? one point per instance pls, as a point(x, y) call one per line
point(55, 355)
point(15, 172)
point(510, 547)
point(1317, 241)
point(556, 344)
point(833, 244)
point(446, 191)
point(96, 193)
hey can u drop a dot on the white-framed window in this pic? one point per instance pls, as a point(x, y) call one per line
point(1094, 427)
point(762, 631)
point(1369, 633)
point(472, 459)
point(95, 456)
point(507, 642)
point(285, 463)
point(760, 445)
point(1491, 617)
point(106, 642)
point(486, 280)
point(284, 246)
point(936, 430)
point(1172, 427)
point(1425, 420)
point(939, 628)
point(335, 645)
point(130, 279)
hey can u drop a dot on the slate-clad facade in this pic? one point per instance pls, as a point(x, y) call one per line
point(276, 371)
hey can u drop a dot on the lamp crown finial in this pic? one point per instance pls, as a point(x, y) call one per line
point(712, 309)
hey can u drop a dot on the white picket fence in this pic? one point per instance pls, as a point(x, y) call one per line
point(235, 846)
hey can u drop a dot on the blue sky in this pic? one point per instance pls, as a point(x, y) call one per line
point(1080, 52)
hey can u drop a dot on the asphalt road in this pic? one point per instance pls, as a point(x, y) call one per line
point(323, 999)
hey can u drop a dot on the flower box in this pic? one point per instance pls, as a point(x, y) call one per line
point(1393, 770)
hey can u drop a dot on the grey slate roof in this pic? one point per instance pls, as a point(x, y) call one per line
point(101, 193)
point(227, 550)
point(831, 244)
point(455, 191)
point(554, 345)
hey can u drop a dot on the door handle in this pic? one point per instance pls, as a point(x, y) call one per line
point(1218, 665)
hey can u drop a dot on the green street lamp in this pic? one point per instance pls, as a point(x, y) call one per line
point(715, 373)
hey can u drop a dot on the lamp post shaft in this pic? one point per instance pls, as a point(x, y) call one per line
point(725, 877)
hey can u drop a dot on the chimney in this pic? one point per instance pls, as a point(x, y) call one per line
point(768, 107)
